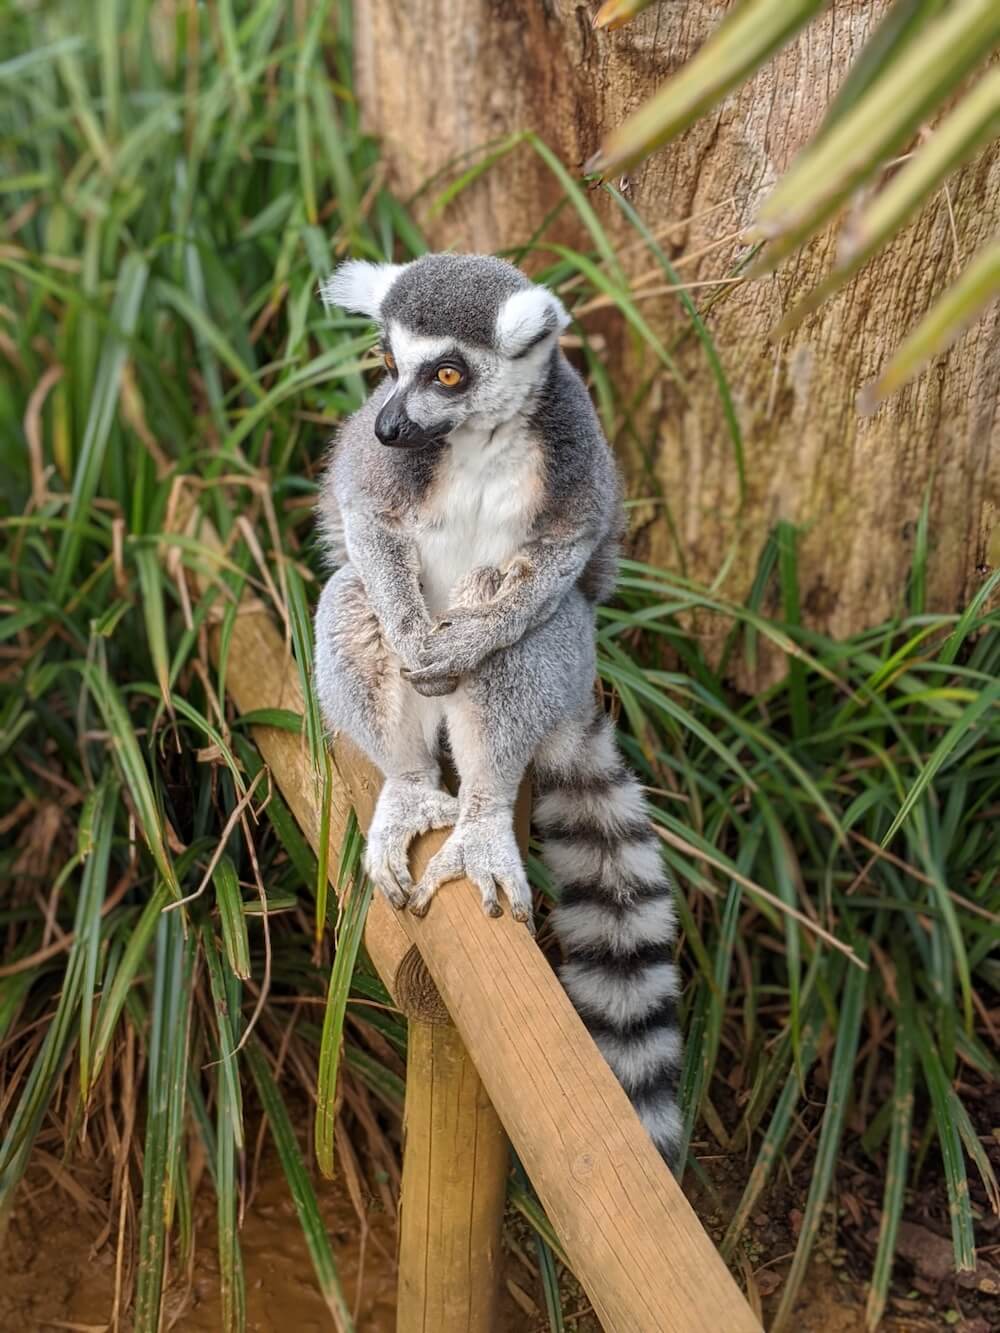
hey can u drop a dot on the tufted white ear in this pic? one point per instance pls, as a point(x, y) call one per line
point(527, 318)
point(360, 286)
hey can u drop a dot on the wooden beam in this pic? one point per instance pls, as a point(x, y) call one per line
point(631, 1236)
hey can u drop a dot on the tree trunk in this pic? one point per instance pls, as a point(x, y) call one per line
point(439, 78)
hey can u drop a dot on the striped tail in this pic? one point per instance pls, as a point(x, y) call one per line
point(615, 919)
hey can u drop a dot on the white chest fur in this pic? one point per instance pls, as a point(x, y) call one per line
point(479, 510)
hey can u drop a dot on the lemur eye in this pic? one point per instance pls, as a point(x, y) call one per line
point(390, 360)
point(449, 376)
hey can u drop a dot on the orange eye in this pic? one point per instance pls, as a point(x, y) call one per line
point(390, 361)
point(449, 376)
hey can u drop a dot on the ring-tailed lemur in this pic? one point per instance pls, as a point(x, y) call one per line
point(475, 511)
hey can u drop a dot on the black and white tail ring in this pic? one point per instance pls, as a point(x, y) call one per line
point(615, 919)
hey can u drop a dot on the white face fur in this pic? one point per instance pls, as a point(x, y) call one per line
point(443, 383)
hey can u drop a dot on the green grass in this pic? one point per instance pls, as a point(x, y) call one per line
point(173, 198)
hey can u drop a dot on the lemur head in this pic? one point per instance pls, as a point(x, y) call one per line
point(466, 339)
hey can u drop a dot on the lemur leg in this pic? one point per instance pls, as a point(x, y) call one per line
point(362, 694)
point(496, 720)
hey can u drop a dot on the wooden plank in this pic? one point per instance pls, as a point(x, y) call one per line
point(633, 1239)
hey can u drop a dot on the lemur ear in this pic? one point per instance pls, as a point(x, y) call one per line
point(359, 286)
point(528, 318)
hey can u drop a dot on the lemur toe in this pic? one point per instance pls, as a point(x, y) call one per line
point(488, 892)
point(390, 890)
point(387, 870)
point(445, 865)
point(518, 894)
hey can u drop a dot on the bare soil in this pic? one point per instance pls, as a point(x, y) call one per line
point(56, 1271)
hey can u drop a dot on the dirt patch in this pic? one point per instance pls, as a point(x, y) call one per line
point(55, 1275)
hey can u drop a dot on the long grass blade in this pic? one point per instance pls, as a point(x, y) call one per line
point(878, 125)
point(897, 1160)
point(976, 288)
point(348, 943)
point(975, 121)
point(302, 1192)
point(837, 1101)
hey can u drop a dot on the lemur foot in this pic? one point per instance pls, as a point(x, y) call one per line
point(484, 850)
point(406, 808)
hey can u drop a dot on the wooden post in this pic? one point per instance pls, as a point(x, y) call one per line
point(630, 1234)
point(455, 1166)
point(455, 1162)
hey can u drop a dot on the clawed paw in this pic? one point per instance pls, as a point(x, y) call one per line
point(484, 851)
point(405, 810)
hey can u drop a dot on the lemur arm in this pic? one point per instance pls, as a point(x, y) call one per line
point(532, 586)
point(389, 567)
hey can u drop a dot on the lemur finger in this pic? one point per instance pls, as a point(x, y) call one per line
point(518, 894)
point(430, 682)
point(385, 861)
point(487, 887)
point(386, 884)
point(397, 862)
point(446, 865)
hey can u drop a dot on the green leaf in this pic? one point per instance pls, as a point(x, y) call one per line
point(225, 998)
point(956, 1179)
point(151, 589)
point(282, 718)
point(229, 900)
point(170, 1013)
point(97, 827)
point(947, 750)
point(126, 751)
point(975, 121)
point(976, 288)
point(879, 125)
point(348, 943)
point(777, 1131)
point(904, 20)
point(103, 406)
point(113, 996)
point(896, 1166)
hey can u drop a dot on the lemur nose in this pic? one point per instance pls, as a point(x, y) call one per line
point(392, 424)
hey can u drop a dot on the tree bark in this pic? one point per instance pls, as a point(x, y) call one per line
point(439, 78)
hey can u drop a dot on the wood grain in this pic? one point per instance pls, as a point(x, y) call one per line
point(455, 1164)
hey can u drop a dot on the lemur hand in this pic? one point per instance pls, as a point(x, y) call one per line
point(455, 645)
point(429, 684)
